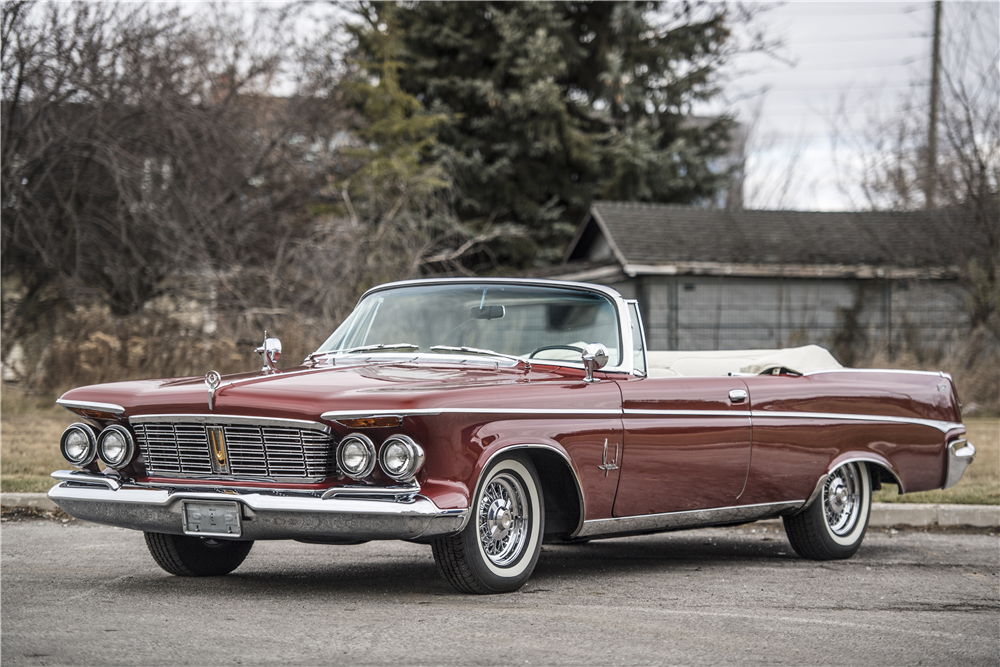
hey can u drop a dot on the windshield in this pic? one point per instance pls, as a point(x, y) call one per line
point(530, 322)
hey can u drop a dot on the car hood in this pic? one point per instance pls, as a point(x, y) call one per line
point(306, 392)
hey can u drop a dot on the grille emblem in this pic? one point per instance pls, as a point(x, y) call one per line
point(217, 445)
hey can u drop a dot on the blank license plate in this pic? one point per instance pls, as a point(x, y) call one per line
point(220, 519)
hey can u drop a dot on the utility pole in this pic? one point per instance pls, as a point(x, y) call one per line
point(931, 177)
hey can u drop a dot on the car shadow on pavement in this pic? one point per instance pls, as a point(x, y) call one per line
point(413, 573)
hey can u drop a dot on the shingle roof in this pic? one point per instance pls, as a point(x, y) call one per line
point(660, 234)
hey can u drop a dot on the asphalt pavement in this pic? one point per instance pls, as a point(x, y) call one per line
point(80, 594)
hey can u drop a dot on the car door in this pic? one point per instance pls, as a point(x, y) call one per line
point(687, 444)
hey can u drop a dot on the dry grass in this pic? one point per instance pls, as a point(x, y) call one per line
point(30, 430)
point(29, 442)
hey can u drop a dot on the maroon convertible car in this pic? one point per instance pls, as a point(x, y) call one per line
point(485, 417)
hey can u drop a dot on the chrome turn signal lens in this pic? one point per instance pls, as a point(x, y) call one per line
point(115, 446)
point(401, 458)
point(356, 456)
point(78, 444)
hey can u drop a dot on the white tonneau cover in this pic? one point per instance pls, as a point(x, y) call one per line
point(801, 360)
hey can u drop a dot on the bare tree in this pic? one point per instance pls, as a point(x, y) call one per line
point(893, 151)
point(140, 142)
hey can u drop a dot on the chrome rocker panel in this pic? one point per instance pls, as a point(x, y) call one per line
point(265, 516)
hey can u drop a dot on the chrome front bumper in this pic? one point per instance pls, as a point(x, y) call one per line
point(264, 515)
point(960, 454)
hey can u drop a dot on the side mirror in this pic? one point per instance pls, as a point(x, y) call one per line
point(271, 351)
point(595, 357)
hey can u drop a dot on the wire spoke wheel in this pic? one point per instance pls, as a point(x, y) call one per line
point(842, 499)
point(501, 520)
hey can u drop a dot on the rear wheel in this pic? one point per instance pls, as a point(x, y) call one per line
point(498, 549)
point(835, 524)
point(196, 556)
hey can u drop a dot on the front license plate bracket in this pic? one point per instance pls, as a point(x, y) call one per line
point(212, 519)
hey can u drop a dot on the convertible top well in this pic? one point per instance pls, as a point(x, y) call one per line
point(797, 360)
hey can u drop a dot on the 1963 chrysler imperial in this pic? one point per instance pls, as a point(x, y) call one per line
point(484, 417)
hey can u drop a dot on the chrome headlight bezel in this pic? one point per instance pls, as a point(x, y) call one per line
point(127, 453)
point(367, 446)
point(90, 433)
point(414, 456)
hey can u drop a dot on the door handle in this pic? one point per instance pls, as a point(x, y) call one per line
point(737, 395)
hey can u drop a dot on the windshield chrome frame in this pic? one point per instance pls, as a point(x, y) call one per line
point(624, 319)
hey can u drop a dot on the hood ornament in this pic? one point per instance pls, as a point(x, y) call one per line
point(271, 351)
point(212, 381)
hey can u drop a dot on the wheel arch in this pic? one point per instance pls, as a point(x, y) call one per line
point(883, 467)
point(561, 489)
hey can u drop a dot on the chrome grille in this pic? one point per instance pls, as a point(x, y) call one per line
point(253, 451)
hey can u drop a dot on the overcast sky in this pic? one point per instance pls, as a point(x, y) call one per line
point(860, 56)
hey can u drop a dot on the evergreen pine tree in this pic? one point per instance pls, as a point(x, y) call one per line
point(552, 105)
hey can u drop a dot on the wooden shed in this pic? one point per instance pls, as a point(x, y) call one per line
point(724, 279)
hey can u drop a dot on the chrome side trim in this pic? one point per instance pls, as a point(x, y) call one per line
point(576, 478)
point(942, 426)
point(961, 453)
point(231, 419)
point(334, 415)
point(690, 413)
point(88, 405)
point(654, 523)
point(83, 477)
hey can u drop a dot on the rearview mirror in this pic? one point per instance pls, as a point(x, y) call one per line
point(487, 313)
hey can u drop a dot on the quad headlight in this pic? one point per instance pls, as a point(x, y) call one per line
point(78, 444)
point(401, 458)
point(356, 456)
point(115, 446)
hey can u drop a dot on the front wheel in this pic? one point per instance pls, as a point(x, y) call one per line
point(834, 525)
point(498, 549)
point(196, 556)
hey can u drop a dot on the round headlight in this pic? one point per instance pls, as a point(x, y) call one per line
point(115, 446)
point(401, 457)
point(78, 444)
point(356, 456)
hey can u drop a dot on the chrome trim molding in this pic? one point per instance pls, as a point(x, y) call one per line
point(654, 523)
point(84, 477)
point(88, 405)
point(689, 413)
point(815, 493)
point(400, 491)
point(230, 419)
point(942, 426)
point(334, 415)
point(877, 370)
point(961, 453)
point(264, 515)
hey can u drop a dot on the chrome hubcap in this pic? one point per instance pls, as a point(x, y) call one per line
point(842, 499)
point(502, 519)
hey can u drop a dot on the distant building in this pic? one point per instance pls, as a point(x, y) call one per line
point(716, 279)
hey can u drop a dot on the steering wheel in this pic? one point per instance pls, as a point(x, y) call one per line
point(554, 347)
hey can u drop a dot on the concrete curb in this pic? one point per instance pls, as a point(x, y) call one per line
point(38, 501)
point(883, 514)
